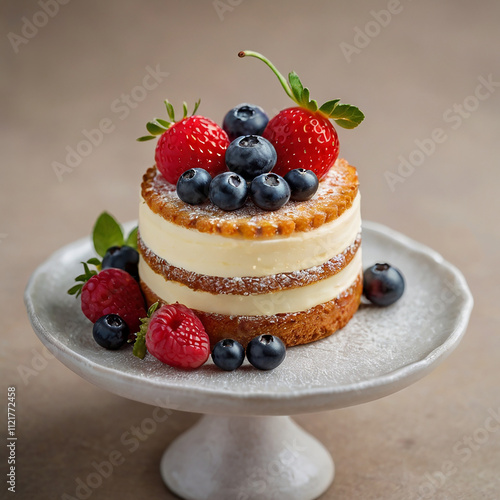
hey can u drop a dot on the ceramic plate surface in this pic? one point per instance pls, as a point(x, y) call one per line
point(380, 351)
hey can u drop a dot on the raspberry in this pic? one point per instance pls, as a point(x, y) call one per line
point(177, 337)
point(113, 291)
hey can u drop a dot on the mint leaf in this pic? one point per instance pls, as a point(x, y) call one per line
point(347, 116)
point(107, 233)
point(131, 240)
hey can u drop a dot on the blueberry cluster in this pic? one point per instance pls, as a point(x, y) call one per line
point(250, 159)
point(264, 352)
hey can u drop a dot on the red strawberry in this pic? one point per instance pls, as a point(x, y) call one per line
point(304, 137)
point(177, 337)
point(113, 291)
point(192, 142)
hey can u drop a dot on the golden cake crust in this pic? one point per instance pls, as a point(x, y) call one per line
point(334, 196)
point(293, 328)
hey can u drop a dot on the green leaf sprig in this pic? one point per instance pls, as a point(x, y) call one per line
point(140, 349)
point(107, 233)
point(81, 279)
point(158, 126)
point(345, 115)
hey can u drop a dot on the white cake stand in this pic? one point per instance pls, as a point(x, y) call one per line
point(246, 446)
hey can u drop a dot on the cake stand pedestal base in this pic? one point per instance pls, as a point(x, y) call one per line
point(246, 456)
point(243, 458)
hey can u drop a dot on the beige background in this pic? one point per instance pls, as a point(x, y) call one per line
point(436, 439)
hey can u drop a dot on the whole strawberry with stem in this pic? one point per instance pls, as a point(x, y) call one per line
point(304, 136)
point(192, 142)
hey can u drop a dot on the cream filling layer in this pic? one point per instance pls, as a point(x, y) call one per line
point(216, 255)
point(286, 301)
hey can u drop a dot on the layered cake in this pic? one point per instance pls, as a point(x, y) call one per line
point(249, 239)
point(254, 226)
point(295, 272)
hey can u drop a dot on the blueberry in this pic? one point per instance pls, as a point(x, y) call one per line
point(250, 156)
point(125, 258)
point(383, 284)
point(269, 191)
point(303, 184)
point(228, 354)
point(228, 191)
point(245, 119)
point(266, 352)
point(110, 331)
point(192, 186)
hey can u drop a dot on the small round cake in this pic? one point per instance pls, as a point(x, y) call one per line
point(294, 272)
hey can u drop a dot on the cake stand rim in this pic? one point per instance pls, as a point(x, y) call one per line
point(341, 395)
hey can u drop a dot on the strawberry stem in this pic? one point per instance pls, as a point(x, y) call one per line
point(345, 115)
point(281, 78)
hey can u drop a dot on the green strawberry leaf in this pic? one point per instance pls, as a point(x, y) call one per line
point(140, 349)
point(329, 106)
point(107, 233)
point(83, 278)
point(75, 290)
point(152, 309)
point(170, 110)
point(196, 106)
point(131, 240)
point(305, 96)
point(155, 128)
point(87, 271)
point(158, 126)
point(347, 116)
point(296, 86)
point(163, 123)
